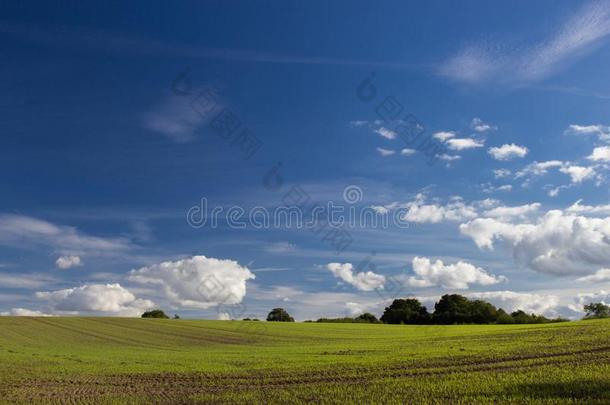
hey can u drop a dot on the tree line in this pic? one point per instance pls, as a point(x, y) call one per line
point(449, 310)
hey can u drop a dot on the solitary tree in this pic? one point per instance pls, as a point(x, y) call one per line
point(405, 311)
point(279, 315)
point(597, 310)
point(155, 313)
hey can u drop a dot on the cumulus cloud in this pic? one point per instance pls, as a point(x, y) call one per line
point(421, 212)
point(512, 301)
point(601, 153)
point(407, 151)
point(454, 276)
point(197, 282)
point(464, 143)
point(507, 152)
point(507, 213)
point(578, 173)
point(443, 135)
point(578, 208)
point(66, 262)
point(106, 299)
point(558, 243)
point(386, 133)
point(478, 125)
point(385, 152)
point(363, 281)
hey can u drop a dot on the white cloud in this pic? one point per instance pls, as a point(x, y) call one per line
point(66, 262)
point(385, 152)
point(407, 151)
point(501, 173)
point(577, 208)
point(507, 213)
point(107, 299)
point(464, 143)
point(23, 312)
point(599, 276)
point(26, 231)
point(448, 158)
point(224, 316)
point(386, 133)
point(478, 125)
point(453, 276)
point(358, 308)
point(363, 281)
point(444, 135)
point(578, 173)
point(420, 212)
point(197, 282)
point(601, 131)
point(489, 188)
point(512, 301)
point(507, 152)
point(25, 280)
point(557, 243)
point(582, 32)
point(601, 153)
point(539, 168)
point(178, 117)
point(583, 299)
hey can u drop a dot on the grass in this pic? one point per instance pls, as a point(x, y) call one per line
point(113, 360)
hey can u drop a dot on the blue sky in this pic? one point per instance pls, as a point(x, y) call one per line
point(110, 135)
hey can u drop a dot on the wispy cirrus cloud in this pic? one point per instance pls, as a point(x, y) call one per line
point(579, 34)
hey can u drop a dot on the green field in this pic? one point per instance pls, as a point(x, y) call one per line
point(105, 360)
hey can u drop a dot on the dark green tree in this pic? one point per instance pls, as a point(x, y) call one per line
point(482, 312)
point(452, 309)
point(155, 313)
point(279, 315)
point(366, 318)
point(597, 310)
point(407, 311)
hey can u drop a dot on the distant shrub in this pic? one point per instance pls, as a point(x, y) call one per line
point(364, 318)
point(279, 315)
point(155, 313)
